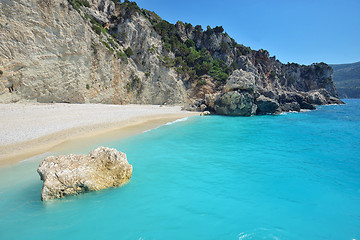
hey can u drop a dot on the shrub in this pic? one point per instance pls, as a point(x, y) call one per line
point(242, 50)
point(272, 74)
point(169, 61)
point(165, 29)
point(189, 43)
point(188, 26)
point(108, 46)
point(99, 29)
point(87, 86)
point(129, 52)
point(78, 3)
point(218, 29)
point(182, 50)
point(111, 41)
point(151, 16)
point(122, 56)
point(201, 83)
point(219, 71)
point(135, 84)
point(178, 61)
point(147, 74)
point(220, 76)
point(198, 28)
point(151, 50)
point(130, 8)
point(234, 65)
point(224, 47)
point(203, 68)
point(167, 47)
point(128, 87)
point(192, 58)
point(84, 3)
point(1, 72)
point(136, 79)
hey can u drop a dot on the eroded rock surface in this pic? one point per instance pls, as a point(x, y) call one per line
point(75, 174)
point(267, 105)
point(235, 103)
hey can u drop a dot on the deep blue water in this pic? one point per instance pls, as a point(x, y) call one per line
point(291, 176)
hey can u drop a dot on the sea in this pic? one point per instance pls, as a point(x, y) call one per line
point(293, 176)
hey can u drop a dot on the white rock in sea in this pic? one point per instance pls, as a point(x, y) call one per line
point(75, 174)
point(205, 113)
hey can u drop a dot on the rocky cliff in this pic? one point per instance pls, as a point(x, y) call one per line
point(102, 51)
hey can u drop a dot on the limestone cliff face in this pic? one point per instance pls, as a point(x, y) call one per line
point(50, 53)
point(102, 51)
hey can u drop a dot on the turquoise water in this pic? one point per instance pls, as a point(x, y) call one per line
point(291, 176)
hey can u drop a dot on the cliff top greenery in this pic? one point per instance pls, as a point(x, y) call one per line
point(193, 56)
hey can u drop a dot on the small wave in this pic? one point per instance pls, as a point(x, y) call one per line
point(264, 233)
point(178, 120)
point(169, 123)
point(37, 157)
point(301, 111)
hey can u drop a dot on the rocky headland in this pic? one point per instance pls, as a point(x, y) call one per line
point(347, 79)
point(102, 51)
point(74, 174)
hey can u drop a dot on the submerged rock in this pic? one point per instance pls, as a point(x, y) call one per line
point(74, 174)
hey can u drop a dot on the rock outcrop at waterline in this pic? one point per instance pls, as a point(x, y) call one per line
point(74, 174)
point(105, 51)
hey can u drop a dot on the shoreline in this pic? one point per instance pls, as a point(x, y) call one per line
point(70, 138)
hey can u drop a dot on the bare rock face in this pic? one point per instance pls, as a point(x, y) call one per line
point(235, 103)
point(238, 96)
point(241, 80)
point(75, 174)
point(50, 52)
point(267, 105)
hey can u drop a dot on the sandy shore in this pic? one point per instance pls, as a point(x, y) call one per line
point(27, 130)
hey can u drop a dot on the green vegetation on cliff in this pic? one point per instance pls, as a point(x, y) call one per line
point(191, 60)
point(78, 3)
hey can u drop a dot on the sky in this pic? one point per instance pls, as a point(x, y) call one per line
point(301, 31)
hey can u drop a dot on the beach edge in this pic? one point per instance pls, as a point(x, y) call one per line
point(12, 154)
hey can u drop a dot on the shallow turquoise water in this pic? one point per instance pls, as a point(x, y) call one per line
point(291, 176)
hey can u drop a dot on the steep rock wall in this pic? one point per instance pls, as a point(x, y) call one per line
point(50, 53)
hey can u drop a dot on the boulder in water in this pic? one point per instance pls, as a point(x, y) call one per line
point(75, 174)
point(235, 103)
point(267, 105)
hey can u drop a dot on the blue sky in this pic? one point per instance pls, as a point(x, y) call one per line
point(302, 31)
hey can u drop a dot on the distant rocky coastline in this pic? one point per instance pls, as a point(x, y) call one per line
point(74, 174)
point(347, 79)
point(103, 51)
